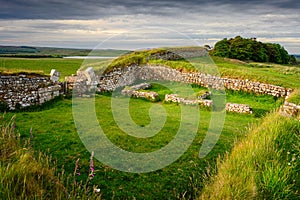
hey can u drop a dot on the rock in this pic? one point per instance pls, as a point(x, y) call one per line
point(54, 75)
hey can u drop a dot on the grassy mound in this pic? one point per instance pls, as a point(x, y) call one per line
point(230, 68)
point(265, 165)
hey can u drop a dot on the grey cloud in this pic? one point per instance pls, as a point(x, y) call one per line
point(94, 9)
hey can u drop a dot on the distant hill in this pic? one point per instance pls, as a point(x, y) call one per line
point(28, 51)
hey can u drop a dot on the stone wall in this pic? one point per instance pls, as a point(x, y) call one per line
point(239, 108)
point(127, 76)
point(27, 90)
point(290, 110)
point(152, 96)
point(232, 107)
point(174, 98)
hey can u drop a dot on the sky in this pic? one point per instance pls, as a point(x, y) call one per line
point(134, 24)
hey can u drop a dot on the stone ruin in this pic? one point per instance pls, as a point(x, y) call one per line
point(134, 91)
point(24, 90)
point(83, 84)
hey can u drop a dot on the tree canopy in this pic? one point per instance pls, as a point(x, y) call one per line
point(251, 49)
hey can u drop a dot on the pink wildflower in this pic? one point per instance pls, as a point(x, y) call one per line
point(92, 168)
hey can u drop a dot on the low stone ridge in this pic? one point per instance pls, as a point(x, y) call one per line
point(232, 107)
point(121, 77)
point(142, 86)
point(174, 98)
point(290, 110)
point(26, 90)
point(179, 53)
point(239, 108)
point(152, 96)
point(205, 95)
point(133, 91)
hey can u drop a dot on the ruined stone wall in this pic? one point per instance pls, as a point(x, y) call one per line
point(239, 108)
point(290, 110)
point(27, 90)
point(231, 107)
point(127, 76)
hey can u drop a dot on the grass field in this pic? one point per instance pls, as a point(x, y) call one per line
point(55, 134)
point(41, 65)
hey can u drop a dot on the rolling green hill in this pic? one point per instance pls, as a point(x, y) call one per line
point(37, 52)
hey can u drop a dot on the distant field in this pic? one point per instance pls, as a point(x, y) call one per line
point(35, 52)
point(41, 65)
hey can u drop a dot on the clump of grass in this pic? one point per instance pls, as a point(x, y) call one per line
point(16, 72)
point(295, 97)
point(265, 165)
point(26, 174)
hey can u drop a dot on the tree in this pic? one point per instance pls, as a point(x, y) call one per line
point(251, 49)
point(221, 48)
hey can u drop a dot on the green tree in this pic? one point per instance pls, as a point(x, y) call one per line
point(221, 48)
point(251, 49)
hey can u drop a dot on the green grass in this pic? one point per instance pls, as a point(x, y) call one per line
point(295, 97)
point(27, 174)
point(261, 104)
point(55, 134)
point(264, 165)
point(41, 65)
point(261, 72)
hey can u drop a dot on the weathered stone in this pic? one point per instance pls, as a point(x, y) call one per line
point(27, 91)
point(54, 75)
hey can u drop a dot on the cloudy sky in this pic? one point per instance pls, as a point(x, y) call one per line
point(131, 24)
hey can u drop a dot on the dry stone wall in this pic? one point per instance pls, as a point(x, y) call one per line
point(127, 76)
point(231, 107)
point(152, 96)
point(174, 98)
point(290, 110)
point(27, 90)
point(239, 108)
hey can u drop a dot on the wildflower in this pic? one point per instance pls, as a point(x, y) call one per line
point(92, 169)
point(97, 190)
point(76, 171)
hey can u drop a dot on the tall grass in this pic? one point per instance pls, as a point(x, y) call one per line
point(265, 165)
point(26, 174)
